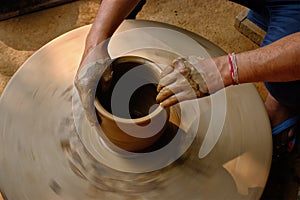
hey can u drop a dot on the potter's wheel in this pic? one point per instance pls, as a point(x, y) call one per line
point(48, 150)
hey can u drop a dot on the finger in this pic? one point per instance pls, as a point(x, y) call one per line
point(186, 72)
point(168, 91)
point(183, 67)
point(167, 80)
point(166, 71)
point(189, 65)
point(163, 94)
point(159, 88)
point(176, 98)
point(178, 64)
point(169, 102)
point(163, 74)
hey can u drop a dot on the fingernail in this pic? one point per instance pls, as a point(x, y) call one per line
point(162, 104)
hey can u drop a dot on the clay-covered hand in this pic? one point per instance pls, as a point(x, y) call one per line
point(182, 81)
point(95, 66)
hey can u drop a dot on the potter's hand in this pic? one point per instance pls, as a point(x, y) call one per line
point(94, 67)
point(182, 81)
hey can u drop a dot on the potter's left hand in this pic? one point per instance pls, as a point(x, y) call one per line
point(187, 78)
point(94, 68)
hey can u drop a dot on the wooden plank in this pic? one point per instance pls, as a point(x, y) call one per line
point(13, 8)
point(248, 28)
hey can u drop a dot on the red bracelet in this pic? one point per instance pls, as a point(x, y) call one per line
point(230, 68)
point(233, 69)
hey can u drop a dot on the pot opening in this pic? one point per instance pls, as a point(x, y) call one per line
point(132, 92)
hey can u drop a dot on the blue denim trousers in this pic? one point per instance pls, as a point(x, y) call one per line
point(279, 18)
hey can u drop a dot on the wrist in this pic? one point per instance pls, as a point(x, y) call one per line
point(96, 43)
point(95, 39)
point(223, 66)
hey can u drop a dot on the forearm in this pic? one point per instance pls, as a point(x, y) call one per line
point(277, 62)
point(110, 15)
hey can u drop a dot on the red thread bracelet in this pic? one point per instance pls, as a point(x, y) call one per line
point(231, 69)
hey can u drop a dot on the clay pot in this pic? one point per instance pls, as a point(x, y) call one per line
point(128, 113)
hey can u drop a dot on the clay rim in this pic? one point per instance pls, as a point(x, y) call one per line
point(155, 69)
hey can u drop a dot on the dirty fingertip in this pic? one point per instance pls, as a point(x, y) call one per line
point(166, 104)
point(169, 101)
point(163, 104)
point(159, 87)
point(159, 98)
